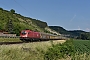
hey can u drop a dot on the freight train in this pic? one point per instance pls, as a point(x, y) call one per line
point(29, 35)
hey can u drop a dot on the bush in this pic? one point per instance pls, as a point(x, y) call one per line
point(60, 51)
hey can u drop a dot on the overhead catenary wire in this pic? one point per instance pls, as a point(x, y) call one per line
point(22, 7)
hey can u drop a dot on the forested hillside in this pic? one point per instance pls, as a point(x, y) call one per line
point(79, 34)
point(14, 23)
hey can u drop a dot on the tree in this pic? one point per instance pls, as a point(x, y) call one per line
point(12, 11)
point(10, 26)
point(1, 8)
point(84, 36)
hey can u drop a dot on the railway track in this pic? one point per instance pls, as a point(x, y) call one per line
point(8, 43)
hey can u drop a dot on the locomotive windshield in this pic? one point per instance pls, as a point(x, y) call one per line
point(23, 32)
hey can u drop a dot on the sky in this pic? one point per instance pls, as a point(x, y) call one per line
point(69, 14)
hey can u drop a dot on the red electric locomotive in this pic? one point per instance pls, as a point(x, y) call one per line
point(29, 35)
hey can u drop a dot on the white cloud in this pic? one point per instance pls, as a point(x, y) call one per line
point(79, 28)
point(88, 29)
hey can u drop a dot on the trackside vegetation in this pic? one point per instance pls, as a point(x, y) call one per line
point(25, 51)
point(59, 51)
point(48, 50)
point(72, 49)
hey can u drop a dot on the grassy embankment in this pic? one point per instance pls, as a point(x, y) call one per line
point(26, 51)
point(47, 50)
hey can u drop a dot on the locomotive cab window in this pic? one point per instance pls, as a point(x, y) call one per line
point(23, 33)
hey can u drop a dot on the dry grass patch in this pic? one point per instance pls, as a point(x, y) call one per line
point(25, 51)
point(59, 41)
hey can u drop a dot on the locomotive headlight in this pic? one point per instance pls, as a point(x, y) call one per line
point(25, 35)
